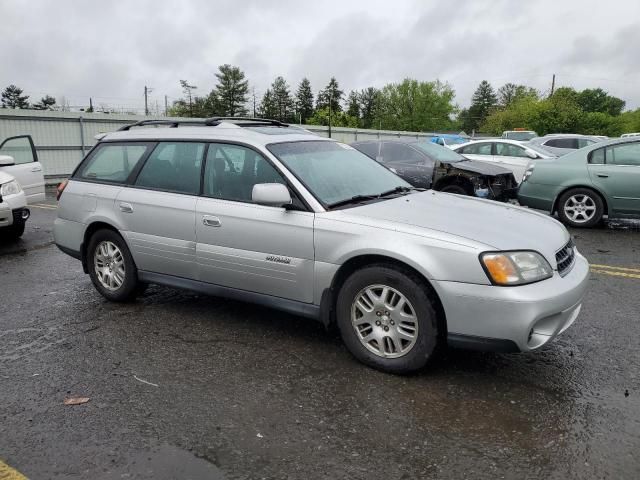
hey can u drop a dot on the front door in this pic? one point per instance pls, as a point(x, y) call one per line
point(157, 212)
point(616, 171)
point(246, 246)
point(27, 169)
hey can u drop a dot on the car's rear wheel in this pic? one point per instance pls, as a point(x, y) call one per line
point(580, 207)
point(111, 267)
point(387, 319)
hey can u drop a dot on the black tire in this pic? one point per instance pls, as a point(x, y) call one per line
point(409, 285)
point(457, 189)
point(15, 231)
point(130, 287)
point(593, 196)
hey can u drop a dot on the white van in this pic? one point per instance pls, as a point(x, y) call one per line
point(18, 157)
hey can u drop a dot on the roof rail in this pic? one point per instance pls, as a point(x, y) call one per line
point(169, 123)
point(245, 121)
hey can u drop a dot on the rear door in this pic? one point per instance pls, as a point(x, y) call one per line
point(513, 157)
point(246, 246)
point(157, 212)
point(27, 169)
point(615, 170)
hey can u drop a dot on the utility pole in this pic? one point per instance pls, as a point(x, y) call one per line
point(166, 106)
point(553, 84)
point(254, 102)
point(90, 104)
point(147, 91)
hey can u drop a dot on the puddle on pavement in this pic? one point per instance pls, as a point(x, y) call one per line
point(619, 224)
point(164, 463)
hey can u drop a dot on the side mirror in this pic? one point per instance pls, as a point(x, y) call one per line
point(531, 154)
point(6, 161)
point(271, 194)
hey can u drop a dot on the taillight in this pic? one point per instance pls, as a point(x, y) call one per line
point(61, 186)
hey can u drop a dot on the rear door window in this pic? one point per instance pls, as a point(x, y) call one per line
point(113, 162)
point(509, 150)
point(477, 149)
point(625, 154)
point(173, 167)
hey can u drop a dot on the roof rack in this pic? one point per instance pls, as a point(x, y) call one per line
point(209, 122)
point(169, 123)
point(245, 121)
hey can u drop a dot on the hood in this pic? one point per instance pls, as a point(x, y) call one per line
point(498, 226)
point(476, 166)
point(5, 177)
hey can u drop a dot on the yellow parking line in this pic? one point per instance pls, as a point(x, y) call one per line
point(624, 269)
point(616, 274)
point(8, 473)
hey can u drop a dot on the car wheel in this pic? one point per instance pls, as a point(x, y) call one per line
point(386, 319)
point(457, 189)
point(580, 207)
point(111, 267)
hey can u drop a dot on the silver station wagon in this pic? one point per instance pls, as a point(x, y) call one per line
point(256, 210)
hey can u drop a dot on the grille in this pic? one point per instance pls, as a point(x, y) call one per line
point(565, 257)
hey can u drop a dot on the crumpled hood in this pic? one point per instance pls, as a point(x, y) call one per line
point(497, 225)
point(477, 166)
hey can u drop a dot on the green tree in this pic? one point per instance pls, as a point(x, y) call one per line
point(416, 106)
point(187, 90)
point(597, 100)
point(338, 119)
point(330, 95)
point(46, 103)
point(12, 97)
point(232, 90)
point(369, 106)
point(483, 102)
point(353, 104)
point(268, 107)
point(283, 101)
point(304, 100)
point(510, 92)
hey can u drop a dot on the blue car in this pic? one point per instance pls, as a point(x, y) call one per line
point(449, 140)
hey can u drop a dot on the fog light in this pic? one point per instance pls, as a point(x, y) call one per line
point(25, 214)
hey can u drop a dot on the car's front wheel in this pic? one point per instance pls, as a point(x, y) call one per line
point(386, 319)
point(580, 207)
point(111, 267)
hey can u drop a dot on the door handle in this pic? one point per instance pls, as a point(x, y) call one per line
point(126, 207)
point(602, 175)
point(210, 221)
point(36, 169)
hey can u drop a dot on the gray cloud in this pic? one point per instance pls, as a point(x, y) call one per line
point(110, 50)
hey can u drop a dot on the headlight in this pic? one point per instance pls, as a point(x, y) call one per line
point(515, 268)
point(528, 172)
point(10, 188)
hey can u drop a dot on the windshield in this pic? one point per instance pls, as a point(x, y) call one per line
point(436, 152)
point(334, 172)
point(521, 136)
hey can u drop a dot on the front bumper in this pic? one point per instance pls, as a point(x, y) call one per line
point(526, 317)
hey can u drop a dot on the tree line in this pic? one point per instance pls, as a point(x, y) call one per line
point(410, 105)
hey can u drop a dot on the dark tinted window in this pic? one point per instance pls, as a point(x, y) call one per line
point(625, 154)
point(173, 167)
point(562, 143)
point(399, 153)
point(370, 149)
point(231, 171)
point(113, 162)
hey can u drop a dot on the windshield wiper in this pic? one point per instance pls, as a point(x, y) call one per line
point(362, 198)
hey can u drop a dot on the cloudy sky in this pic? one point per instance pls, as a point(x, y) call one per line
point(109, 50)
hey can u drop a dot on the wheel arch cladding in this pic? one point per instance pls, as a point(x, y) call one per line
point(330, 295)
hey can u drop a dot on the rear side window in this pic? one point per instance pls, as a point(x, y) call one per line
point(231, 171)
point(173, 167)
point(369, 149)
point(398, 153)
point(562, 143)
point(597, 156)
point(509, 150)
point(113, 162)
point(477, 149)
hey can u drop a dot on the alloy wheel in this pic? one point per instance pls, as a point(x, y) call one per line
point(109, 265)
point(580, 208)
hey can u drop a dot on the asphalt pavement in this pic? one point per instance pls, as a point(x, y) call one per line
point(181, 385)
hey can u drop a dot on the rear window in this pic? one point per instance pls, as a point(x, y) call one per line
point(113, 162)
point(563, 143)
